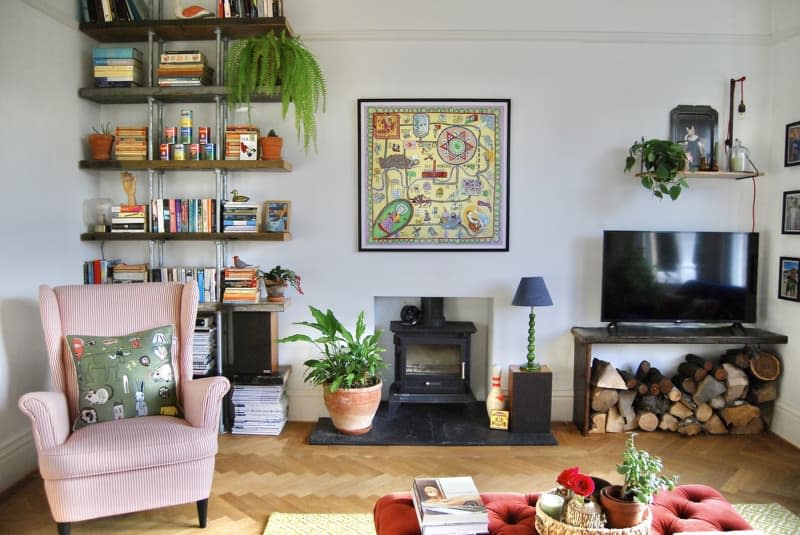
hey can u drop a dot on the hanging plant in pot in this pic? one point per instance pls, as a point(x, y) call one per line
point(624, 505)
point(662, 166)
point(349, 369)
point(101, 142)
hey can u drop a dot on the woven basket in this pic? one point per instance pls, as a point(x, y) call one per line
point(547, 525)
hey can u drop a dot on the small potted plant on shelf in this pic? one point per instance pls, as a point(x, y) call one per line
point(624, 505)
point(271, 146)
point(101, 141)
point(662, 166)
point(277, 280)
point(269, 64)
point(349, 369)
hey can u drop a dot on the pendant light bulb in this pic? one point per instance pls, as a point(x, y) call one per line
point(741, 109)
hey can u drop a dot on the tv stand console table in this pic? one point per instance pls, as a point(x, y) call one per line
point(585, 337)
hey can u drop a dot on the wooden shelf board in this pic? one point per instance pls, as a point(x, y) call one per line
point(182, 30)
point(261, 306)
point(139, 95)
point(645, 334)
point(187, 165)
point(730, 175)
point(186, 236)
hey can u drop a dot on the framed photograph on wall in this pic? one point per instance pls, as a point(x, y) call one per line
point(792, 150)
point(695, 128)
point(787, 279)
point(791, 212)
point(433, 174)
point(276, 216)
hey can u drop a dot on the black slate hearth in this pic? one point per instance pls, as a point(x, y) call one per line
point(456, 424)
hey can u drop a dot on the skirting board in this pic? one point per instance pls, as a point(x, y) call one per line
point(17, 458)
point(786, 423)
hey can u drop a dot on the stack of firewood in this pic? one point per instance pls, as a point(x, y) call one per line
point(729, 395)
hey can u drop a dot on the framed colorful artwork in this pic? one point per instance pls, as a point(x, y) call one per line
point(788, 279)
point(433, 174)
point(792, 145)
point(791, 212)
point(276, 216)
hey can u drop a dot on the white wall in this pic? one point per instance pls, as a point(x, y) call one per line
point(585, 78)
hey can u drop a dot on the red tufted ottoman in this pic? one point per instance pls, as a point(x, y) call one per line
point(686, 508)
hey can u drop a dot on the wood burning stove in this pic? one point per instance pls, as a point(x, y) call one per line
point(432, 358)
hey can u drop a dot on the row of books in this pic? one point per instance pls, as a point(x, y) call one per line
point(241, 142)
point(240, 285)
point(118, 67)
point(130, 143)
point(249, 8)
point(258, 408)
point(183, 215)
point(206, 278)
point(111, 10)
point(183, 68)
point(449, 505)
point(98, 271)
point(239, 217)
point(204, 346)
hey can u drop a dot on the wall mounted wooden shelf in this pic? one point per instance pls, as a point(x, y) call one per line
point(187, 165)
point(182, 30)
point(186, 236)
point(261, 306)
point(139, 95)
point(730, 175)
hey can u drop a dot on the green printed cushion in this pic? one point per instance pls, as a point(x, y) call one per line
point(124, 376)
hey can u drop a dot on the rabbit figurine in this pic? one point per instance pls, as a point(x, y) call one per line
point(141, 405)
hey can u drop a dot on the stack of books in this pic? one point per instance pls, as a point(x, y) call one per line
point(130, 143)
point(239, 217)
point(241, 142)
point(206, 278)
point(111, 10)
point(183, 215)
point(204, 346)
point(241, 285)
point(183, 68)
point(124, 273)
point(117, 67)
point(257, 8)
point(449, 505)
point(98, 271)
point(129, 218)
point(260, 406)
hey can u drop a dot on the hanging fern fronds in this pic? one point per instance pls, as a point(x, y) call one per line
point(267, 64)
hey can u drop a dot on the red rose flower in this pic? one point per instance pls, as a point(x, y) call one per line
point(565, 476)
point(581, 484)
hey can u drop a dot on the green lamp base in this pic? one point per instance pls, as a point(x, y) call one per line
point(530, 367)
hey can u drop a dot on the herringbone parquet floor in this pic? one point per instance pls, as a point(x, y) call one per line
point(259, 475)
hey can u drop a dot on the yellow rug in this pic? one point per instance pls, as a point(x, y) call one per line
point(328, 524)
point(771, 518)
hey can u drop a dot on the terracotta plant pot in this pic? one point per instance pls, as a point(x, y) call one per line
point(275, 292)
point(620, 513)
point(100, 146)
point(271, 147)
point(352, 409)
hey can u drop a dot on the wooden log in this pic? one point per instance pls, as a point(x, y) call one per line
point(700, 361)
point(753, 427)
point(689, 427)
point(688, 401)
point(689, 369)
point(718, 402)
point(605, 375)
point(715, 426)
point(668, 422)
point(762, 392)
point(641, 370)
point(765, 366)
point(643, 389)
point(658, 383)
point(625, 407)
point(718, 372)
point(615, 423)
point(736, 384)
point(680, 411)
point(738, 357)
point(707, 389)
point(657, 404)
point(631, 382)
point(703, 412)
point(739, 416)
point(603, 398)
point(674, 394)
point(597, 422)
point(647, 421)
point(686, 384)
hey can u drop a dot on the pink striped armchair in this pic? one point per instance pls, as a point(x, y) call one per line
point(132, 464)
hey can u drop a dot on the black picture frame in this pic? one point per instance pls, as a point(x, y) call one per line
point(790, 218)
point(789, 268)
point(703, 119)
point(791, 151)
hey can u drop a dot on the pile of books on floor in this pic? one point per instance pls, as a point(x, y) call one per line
point(124, 273)
point(117, 67)
point(206, 278)
point(449, 505)
point(260, 407)
point(98, 271)
point(130, 143)
point(183, 68)
point(239, 217)
point(240, 285)
point(241, 142)
point(204, 345)
point(129, 218)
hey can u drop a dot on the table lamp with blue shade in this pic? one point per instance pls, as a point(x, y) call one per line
point(532, 292)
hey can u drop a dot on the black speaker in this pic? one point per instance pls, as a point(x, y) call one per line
point(255, 351)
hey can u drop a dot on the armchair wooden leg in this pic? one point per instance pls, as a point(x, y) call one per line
point(202, 512)
point(63, 528)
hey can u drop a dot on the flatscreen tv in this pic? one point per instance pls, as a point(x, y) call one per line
point(661, 276)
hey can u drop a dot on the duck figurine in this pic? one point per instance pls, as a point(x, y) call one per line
point(235, 197)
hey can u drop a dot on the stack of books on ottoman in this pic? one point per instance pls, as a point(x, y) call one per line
point(449, 506)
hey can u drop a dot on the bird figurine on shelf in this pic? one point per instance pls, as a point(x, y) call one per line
point(191, 12)
point(235, 197)
point(241, 264)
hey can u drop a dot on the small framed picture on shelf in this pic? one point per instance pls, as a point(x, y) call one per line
point(787, 279)
point(276, 216)
point(791, 212)
point(695, 129)
point(792, 151)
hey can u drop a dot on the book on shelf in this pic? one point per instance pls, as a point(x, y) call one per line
point(233, 139)
point(259, 405)
point(98, 271)
point(449, 501)
point(182, 57)
point(117, 52)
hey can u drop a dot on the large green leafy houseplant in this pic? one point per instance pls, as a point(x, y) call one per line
point(269, 64)
point(348, 360)
point(641, 471)
point(662, 165)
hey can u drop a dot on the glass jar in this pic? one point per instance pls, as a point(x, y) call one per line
point(740, 156)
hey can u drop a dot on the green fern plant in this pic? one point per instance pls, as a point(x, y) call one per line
point(269, 64)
